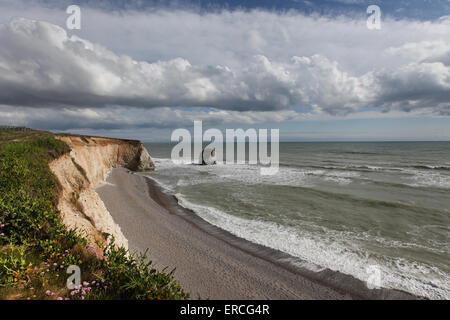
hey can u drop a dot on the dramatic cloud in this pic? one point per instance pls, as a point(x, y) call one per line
point(243, 67)
point(423, 83)
point(41, 66)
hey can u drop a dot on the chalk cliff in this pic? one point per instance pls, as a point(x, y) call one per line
point(84, 169)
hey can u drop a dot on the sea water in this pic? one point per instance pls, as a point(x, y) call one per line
point(343, 206)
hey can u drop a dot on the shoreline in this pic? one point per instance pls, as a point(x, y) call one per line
point(211, 261)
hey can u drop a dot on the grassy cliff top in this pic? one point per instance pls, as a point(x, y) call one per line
point(36, 249)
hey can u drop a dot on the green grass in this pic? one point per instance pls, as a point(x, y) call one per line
point(36, 248)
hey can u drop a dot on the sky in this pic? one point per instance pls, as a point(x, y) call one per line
point(312, 69)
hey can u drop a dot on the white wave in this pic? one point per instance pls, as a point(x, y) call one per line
point(250, 174)
point(334, 251)
point(429, 179)
point(365, 167)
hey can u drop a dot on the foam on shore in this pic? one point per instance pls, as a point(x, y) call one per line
point(212, 261)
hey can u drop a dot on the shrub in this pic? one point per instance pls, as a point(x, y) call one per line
point(130, 276)
point(35, 247)
point(13, 265)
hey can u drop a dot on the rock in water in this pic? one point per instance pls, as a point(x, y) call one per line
point(208, 156)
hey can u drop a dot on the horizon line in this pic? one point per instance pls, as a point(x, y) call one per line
point(318, 141)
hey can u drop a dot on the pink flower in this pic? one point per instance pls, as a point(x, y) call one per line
point(61, 266)
point(82, 297)
point(85, 283)
point(59, 298)
point(48, 292)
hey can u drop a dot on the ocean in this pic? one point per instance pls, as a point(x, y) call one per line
point(344, 206)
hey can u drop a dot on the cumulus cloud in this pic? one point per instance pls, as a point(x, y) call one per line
point(242, 66)
point(41, 66)
point(421, 51)
point(415, 86)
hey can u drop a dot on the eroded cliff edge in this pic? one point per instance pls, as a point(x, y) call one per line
point(84, 169)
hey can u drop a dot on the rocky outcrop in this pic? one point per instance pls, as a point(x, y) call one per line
point(83, 170)
point(142, 160)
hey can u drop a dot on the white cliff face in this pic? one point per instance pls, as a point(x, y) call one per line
point(145, 161)
point(86, 168)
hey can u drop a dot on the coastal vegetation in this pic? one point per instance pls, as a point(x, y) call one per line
point(36, 249)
